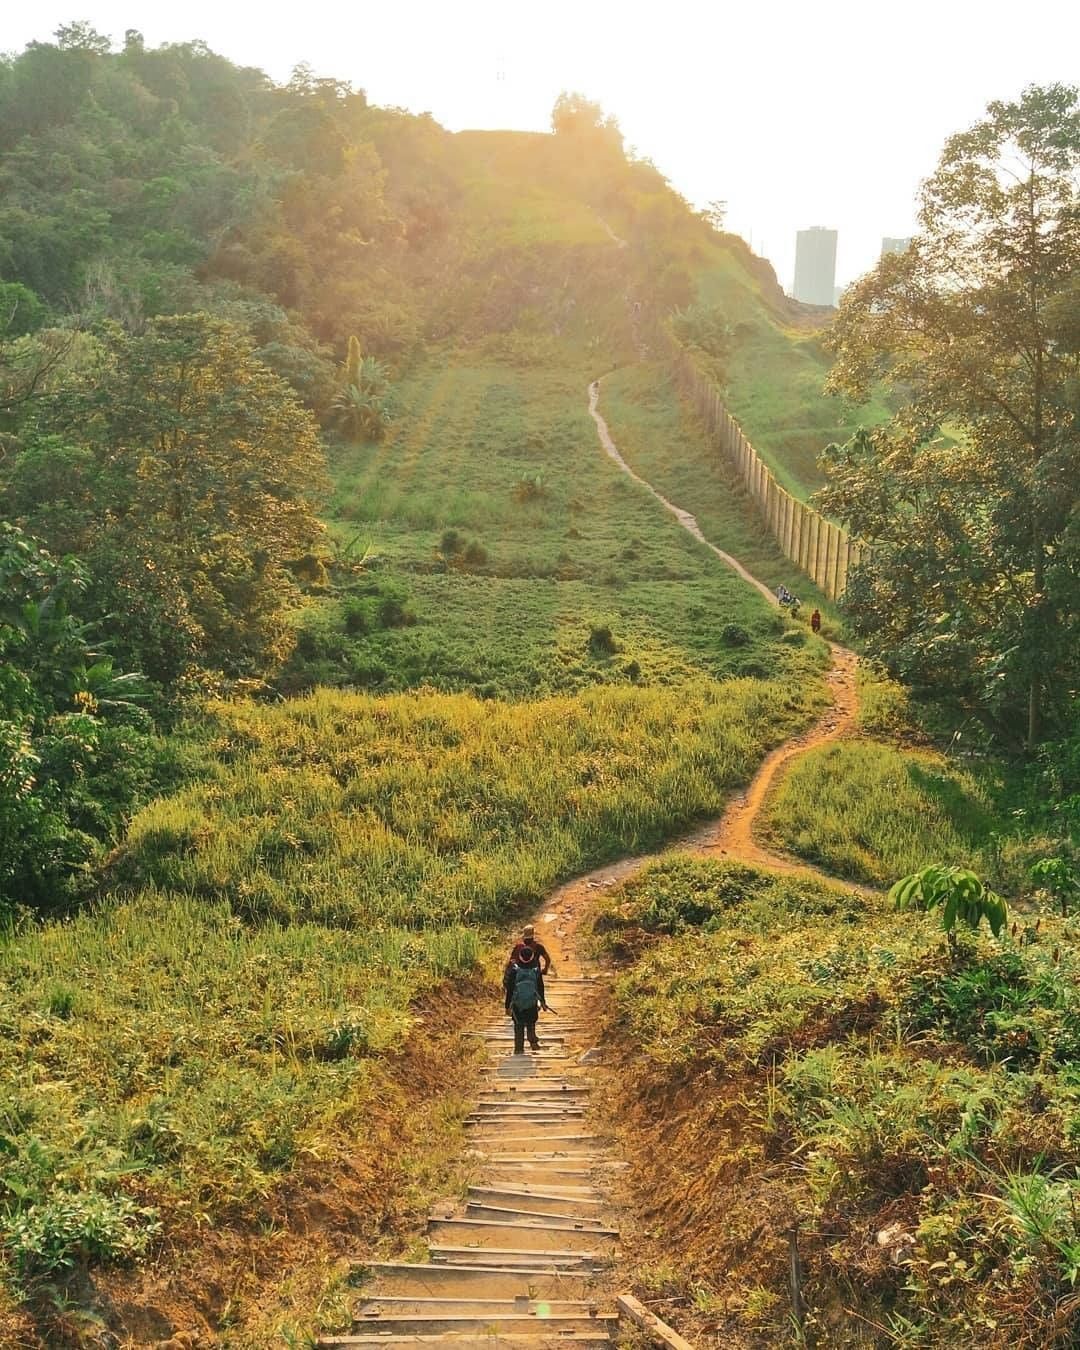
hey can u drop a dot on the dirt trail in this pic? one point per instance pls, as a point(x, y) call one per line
point(525, 1259)
point(733, 834)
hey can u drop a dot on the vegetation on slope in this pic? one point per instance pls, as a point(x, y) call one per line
point(889, 803)
point(873, 812)
point(969, 591)
point(512, 559)
point(174, 1055)
point(662, 440)
point(797, 1057)
point(776, 368)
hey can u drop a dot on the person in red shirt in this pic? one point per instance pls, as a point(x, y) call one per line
point(528, 939)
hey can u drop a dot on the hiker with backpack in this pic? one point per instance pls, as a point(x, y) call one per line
point(523, 986)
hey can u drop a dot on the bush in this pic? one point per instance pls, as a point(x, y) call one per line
point(734, 635)
point(74, 1228)
point(529, 489)
point(602, 641)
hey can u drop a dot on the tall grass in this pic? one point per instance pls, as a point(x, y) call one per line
point(173, 1055)
point(874, 813)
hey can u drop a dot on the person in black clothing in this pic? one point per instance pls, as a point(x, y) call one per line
point(523, 987)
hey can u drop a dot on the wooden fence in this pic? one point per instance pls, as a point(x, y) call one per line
point(821, 549)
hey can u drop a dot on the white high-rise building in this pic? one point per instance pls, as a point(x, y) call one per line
point(815, 265)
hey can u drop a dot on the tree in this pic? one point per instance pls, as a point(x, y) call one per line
point(971, 588)
point(574, 115)
point(73, 744)
point(715, 213)
point(200, 466)
point(82, 37)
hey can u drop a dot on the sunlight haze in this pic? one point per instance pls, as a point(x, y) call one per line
point(796, 115)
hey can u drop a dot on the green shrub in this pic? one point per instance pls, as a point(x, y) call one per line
point(602, 641)
point(71, 1229)
point(734, 635)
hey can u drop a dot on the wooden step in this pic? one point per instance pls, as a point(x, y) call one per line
point(518, 1258)
point(546, 1176)
point(544, 1202)
point(382, 1305)
point(478, 1209)
point(554, 1340)
point(524, 1235)
point(526, 1137)
point(508, 1321)
point(439, 1280)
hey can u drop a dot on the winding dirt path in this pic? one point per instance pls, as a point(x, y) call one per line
point(527, 1259)
point(733, 834)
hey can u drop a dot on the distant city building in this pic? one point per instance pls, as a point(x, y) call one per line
point(815, 266)
point(893, 245)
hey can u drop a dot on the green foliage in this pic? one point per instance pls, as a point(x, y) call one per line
point(363, 407)
point(703, 329)
point(21, 311)
point(969, 590)
point(956, 892)
point(578, 118)
point(916, 1109)
point(59, 1231)
point(505, 593)
point(665, 443)
point(871, 812)
point(196, 466)
point(341, 856)
point(461, 827)
point(1059, 877)
point(75, 753)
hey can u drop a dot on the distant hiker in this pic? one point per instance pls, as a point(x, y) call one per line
point(523, 985)
point(528, 939)
point(815, 621)
point(786, 600)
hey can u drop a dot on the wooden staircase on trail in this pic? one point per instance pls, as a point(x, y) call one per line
point(522, 1261)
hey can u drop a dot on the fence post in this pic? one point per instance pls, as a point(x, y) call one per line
point(797, 533)
point(831, 551)
point(789, 526)
point(842, 566)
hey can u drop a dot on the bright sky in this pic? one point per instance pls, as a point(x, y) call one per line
point(820, 112)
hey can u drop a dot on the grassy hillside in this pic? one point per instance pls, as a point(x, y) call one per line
point(791, 1056)
point(176, 1056)
point(777, 368)
point(534, 668)
point(563, 573)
